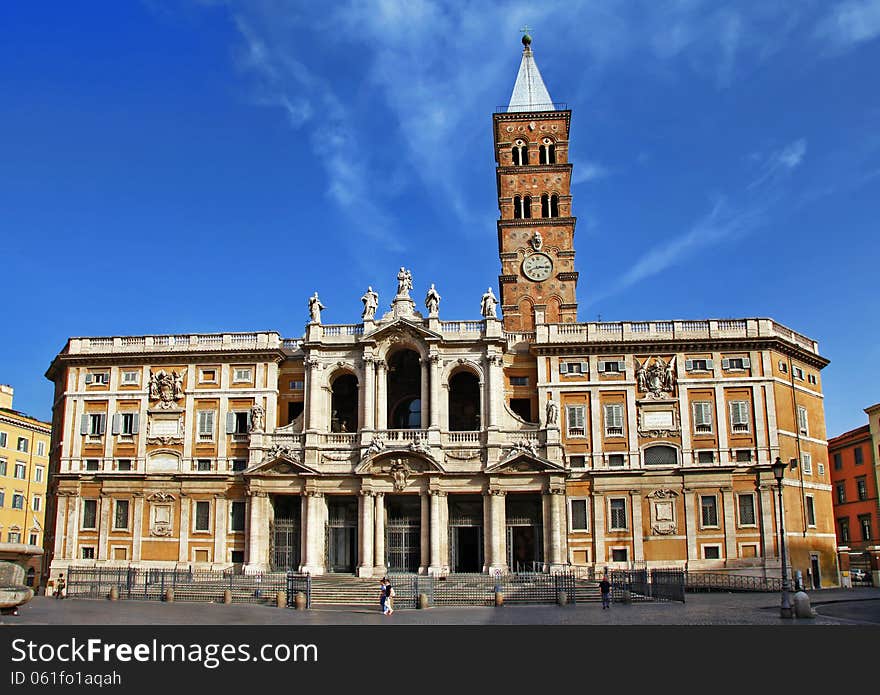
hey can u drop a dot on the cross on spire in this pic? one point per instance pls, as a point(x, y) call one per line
point(526, 29)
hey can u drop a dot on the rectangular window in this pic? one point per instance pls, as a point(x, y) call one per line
point(618, 513)
point(41, 448)
point(519, 381)
point(611, 367)
point(807, 463)
point(90, 513)
point(2, 466)
point(3, 439)
point(812, 379)
point(739, 417)
point(811, 511)
point(22, 445)
point(239, 464)
point(575, 419)
point(130, 378)
point(207, 376)
point(98, 378)
point(203, 516)
point(203, 465)
point(2, 497)
point(14, 537)
point(123, 465)
point(702, 417)
point(38, 473)
point(783, 367)
point(798, 373)
point(743, 455)
point(578, 461)
point(206, 425)
point(841, 492)
point(614, 420)
point(838, 462)
point(865, 525)
point(17, 501)
point(238, 423)
point(93, 465)
point(616, 460)
point(236, 516)
point(820, 467)
point(746, 510)
point(711, 552)
point(707, 456)
point(699, 365)
point(20, 471)
point(579, 516)
point(803, 425)
point(36, 503)
point(862, 488)
point(96, 424)
point(573, 368)
point(120, 518)
point(708, 510)
point(618, 555)
point(237, 556)
point(88, 552)
point(857, 456)
point(296, 384)
point(33, 539)
point(127, 423)
point(240, 374)
point(843, 526)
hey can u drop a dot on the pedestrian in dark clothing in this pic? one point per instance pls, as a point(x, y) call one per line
point(605, 588)
point(59, 588)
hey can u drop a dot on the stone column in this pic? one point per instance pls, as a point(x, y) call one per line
point(379, 533)
point(313, 551)
point(435, 390)
point(499, 530)
point(690, 524)
point(438, 498)
point(493, 389)
point(381, 395)
point(556, 500)
point(598, 502)
point(258, 532)
point(768, 528)
point(488, 559)
point(730, 552)
point(314, 402)
point(183, 547)
point(73, 514)
point(220, 517)
point(369, 393)
point(104, 513)
point(423, 393)
point(425, 529)
point(137, 526)
point(365, 533)
point(637, 530)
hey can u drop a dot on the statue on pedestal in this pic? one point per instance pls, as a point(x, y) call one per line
point(487, 304)
point(371, 303)
point(315, 307)
point(404, 282)
point(432, 301)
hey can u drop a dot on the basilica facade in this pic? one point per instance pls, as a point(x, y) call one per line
point(520, 441)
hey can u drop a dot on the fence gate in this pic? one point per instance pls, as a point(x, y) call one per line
point(285, 540)
point(403, 541)
point(341, 537)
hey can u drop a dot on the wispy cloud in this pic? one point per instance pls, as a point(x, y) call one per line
point(850, 23)
point(780, 162)
point(588, 171)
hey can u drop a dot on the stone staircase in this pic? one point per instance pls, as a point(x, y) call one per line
point(587, 591)
point(344, 590)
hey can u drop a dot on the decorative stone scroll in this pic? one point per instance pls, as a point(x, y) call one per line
point(663, 521)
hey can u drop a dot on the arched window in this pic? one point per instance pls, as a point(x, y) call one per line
point(548, 152)
point(464, 402)
point(661, 455)
point(344, 404)
point(517, 207)
point(545, 205)
point(527, 207)
point(520, 153)
point(404, 389)
point(554, 205)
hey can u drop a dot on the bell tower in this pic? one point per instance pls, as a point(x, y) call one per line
point(536, 227)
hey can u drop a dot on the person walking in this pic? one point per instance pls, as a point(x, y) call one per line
point(389, 598)
point(59, 588)
point(605, 588)
point(383, 596)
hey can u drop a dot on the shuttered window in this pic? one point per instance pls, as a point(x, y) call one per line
point(206, 425)
point(803, 424)
point(575, 416)
point(614, 420)
point(739, 416)
point(807, 463)
point(699, 365)
point(702, 417)
point(574, 368)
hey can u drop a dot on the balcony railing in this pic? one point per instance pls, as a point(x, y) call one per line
point(165, 343)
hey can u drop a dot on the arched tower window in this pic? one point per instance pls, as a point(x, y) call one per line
point(517, 207)
point(548, 152)
point(344, 404)
point(527, 207)
point(464, 402)
point(554, 205)
point(545, 205)
point(520, 153)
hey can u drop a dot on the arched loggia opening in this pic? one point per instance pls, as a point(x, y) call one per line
point(344, 404)
point(404, 391)
point(464, 402)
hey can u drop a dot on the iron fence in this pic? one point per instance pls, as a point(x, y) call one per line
point(640, 585)
point(188, 585)
point(723, 581)
point(462, 589)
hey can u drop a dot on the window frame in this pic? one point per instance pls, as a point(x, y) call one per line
point(714, 546)
point(116, 503)
point(803, 422)
point(735, 408)
point(86, 502)
point(715, 524)
point(195, 518)
point(698, 421)
point(865, 526)
point(611, 510)
point(21, 445)
point(18, 500)
point(581, 410)
point(807, 463)
point(20, 466)
point(613, 408)
point(862, 488)
point(124, 381)
point(201, 435)
point(586, 503)
point(236, 379)
point(203, 375)
point(232, 507)
point(810, 510)
point(739, 515)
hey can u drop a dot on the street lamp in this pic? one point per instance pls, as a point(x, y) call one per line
point(779, 473)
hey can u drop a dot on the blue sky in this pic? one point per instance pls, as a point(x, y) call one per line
point(205, 166)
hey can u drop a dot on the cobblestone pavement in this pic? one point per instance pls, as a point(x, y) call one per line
point(833, 607)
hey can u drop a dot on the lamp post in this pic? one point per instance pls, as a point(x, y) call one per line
point(785, 610)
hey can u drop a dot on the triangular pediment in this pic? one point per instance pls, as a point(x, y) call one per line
point(280, 465)
point(402, 326)
point(524, 462)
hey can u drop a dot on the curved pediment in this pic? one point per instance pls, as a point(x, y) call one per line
point(525, 462)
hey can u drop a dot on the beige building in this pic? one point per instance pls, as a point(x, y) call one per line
point(411, 443)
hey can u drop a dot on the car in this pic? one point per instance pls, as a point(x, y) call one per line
point(858, 574)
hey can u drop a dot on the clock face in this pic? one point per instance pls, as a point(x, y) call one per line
point(537, 267)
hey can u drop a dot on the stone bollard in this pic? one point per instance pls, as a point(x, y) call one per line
point(281, 599)
point(626, 597)
point(562, 598)
point(423, 600)
point(227, 597)
point(169, 595)
point(114, 593)
point(499, 598)
point(802, 607)
point(299, 601)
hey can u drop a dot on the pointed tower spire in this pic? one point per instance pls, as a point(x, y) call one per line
point(529, 92)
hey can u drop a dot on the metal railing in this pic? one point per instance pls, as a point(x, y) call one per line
point(724, 581)
point(641, 585)
point(479, 589)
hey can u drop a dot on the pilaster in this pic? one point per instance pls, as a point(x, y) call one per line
point(379, 535)
point(365, 533)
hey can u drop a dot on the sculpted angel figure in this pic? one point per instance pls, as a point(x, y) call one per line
point(178, 384)
point(487, 304)
point(642, 375)
point(371, 303)
point(669, 375)
point(432, 301)
point(315, 307)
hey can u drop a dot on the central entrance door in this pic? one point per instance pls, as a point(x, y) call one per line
point(465, 533)
point(525, 533)
point(403, 535)
point(341, 534)
point(285, 533)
